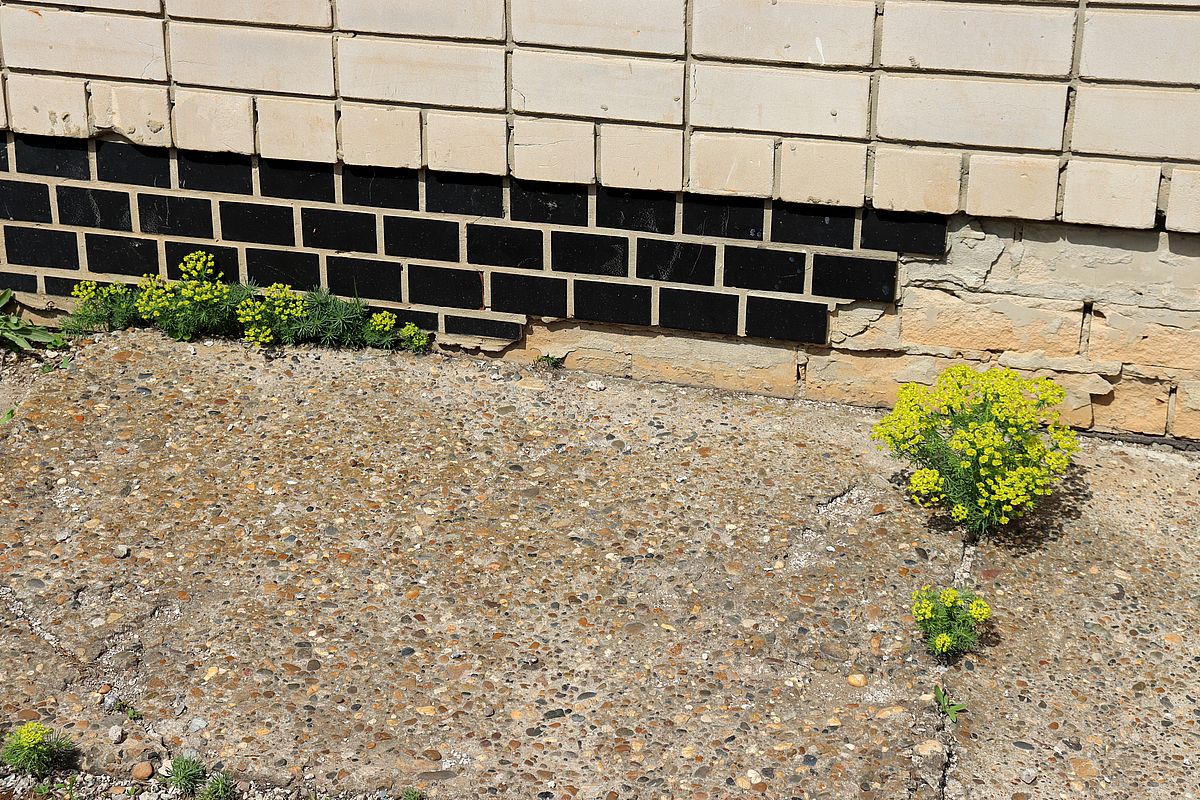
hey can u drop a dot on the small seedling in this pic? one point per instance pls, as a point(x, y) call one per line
point(411, 794)
point(219, 787)
point(550, 362)
point(35, 749)
point(948, 706)
point(131, 713)
point(186, 775)
point(7, 417)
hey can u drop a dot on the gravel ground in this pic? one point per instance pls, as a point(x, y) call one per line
point(355, 572)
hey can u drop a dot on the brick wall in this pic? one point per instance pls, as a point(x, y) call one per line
point(764, 185)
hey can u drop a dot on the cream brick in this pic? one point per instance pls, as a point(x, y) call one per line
point(1141, 45)
point(867, 378)
point(1012, 186)
point(461, 19)
point(632, 157)
point(645, 26)
point(1159, 123)
point(142, 114)
point(3, 106)
point(1134, 405)
point(587, 85)
point(794, 31)
point(458, 142)
point(214, 121)
point(1183, 205)
point(1185, 422)
point(977, 321)
point(969, 111)
point(554, 150)
point(257, 59)
point(147, 6)
point(380, 136)
point(1145, 336)
point(310, 13)
point(111, 45)
point(978, 38)
point(422, 72)
point(916, 180)
point(48, 106)
point(1110, 193)
point(816, 171)
point(779, 100)
point(298, 130)
point(731, 163)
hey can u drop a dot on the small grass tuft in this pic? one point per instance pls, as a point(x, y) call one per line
point(186, 775)
point(411, 794)
point(219, 787)
point(550, 362)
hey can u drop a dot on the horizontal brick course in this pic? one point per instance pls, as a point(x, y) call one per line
point(600, 86)
point(441, 74)
point(255, 59)
point(645, 26)
point(761, 30)
point(780, 100)
point(462, 19)
point(67, 41)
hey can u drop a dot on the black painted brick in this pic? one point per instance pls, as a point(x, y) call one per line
point(362, 277)
point(256, 222)
point(854, 278)
point(589, 253)
point(298, 180)
point(635, 210)
point(437, 286)
point(26, 202)
point(232, 173)
point(301, 270)
point(121, 255)
point(620, 303)
point(37, 247)
point(829, 226)
point(473, 195)
point(733, 217)
point(434, 239)
point(790, 320)
point(556, 203)
point(677, 262)
point(18, 283)
point(127, 163)
point(94, 208)
point(488, 328)
point(529, 294)
point(698, 311)
point(53, 155)
point(504, 247)
point(339, 230)
point(904, 232)
point(380, 186)
point(764, 268)
point(59, 287)
point(175, 216)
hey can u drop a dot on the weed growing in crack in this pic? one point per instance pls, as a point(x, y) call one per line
point(946, 706)
point(411, 794)
point(950, 620)
point(185, 775)
point(122, 707)
point(35, 749)
point(219, 787)
point(20, 336)
point(550, 362)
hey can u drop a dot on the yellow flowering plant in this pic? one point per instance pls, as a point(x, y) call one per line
point(35, 749)
point(988, 445)
point(950, 620)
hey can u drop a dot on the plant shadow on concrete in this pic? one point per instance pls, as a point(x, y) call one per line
point(1070, 497)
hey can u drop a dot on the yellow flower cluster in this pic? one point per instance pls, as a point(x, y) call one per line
point(942, 643)
point(85, 291)
point(382, 322)
point(284, 304)
point(256, 327)
point(199, 266)
point(949, 597)
point(155, 298)
point(979, 610)
point(988, 444)
point(31, 734)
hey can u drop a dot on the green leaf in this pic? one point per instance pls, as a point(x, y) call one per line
point(5, 296)
point(8, 416)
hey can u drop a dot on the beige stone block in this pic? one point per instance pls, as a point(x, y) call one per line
point(256, 59)
point(592, 85)
point(461, 142)
point(308, 13)
point(973, 37)
point(554, 150)
point(380, 136)
point(214, 121)
point(735, 365)
point(971, 111)
point(869, 378)
point(1145, 336)
point(141, 114)
point(109, 45)
point(644, 26)
point(1134, 406)
point(422, 73)
point(824, 32)
point(978, 321)
point(1136, 121)
point(825, 103)
point(298, 130)
point(1185, 422)
point(865, 326)
point(731, 163)
point(824, 172)
point(1012, 186)
point(47, 106)
point(1183, 203)
point(1110, 193)
point(916, 180)
point(601, 350)
point(1140, 45)
point(633, 157)
point(461, 19)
